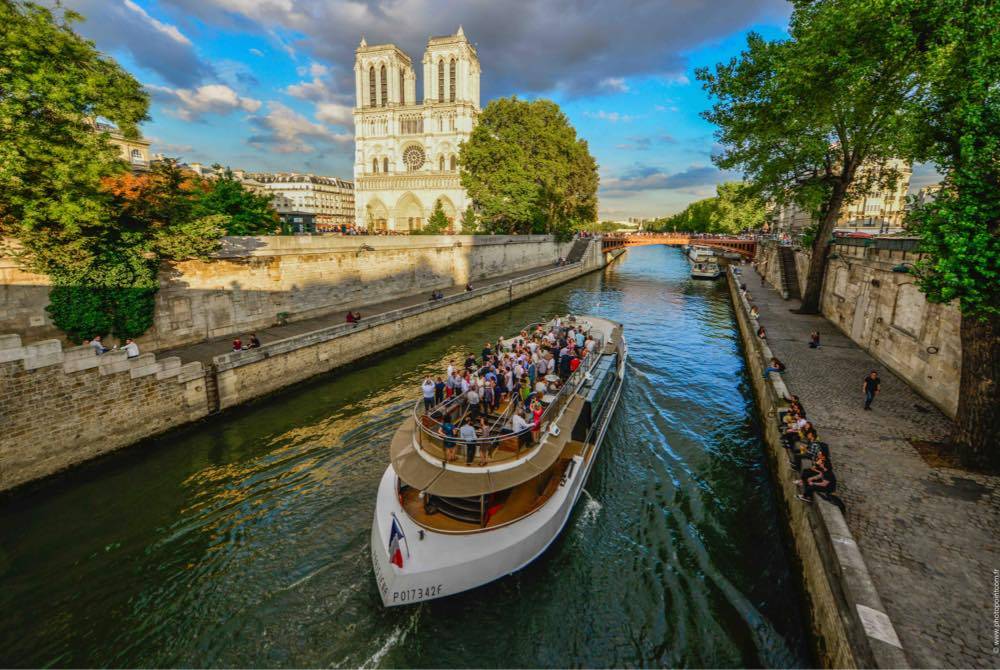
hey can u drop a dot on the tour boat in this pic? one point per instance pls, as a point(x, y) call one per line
point(703, 263)
point(445, 526)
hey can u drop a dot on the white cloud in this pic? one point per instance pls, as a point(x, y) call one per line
point(615, 84)
point(191, 104)
point(611, 117)
point(284, 131)
point(170, 31)
point(335, 114)
point(256, 52)
point(677, 79)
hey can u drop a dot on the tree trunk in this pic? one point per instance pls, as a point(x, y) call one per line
point(979, 393)
point(817, 263)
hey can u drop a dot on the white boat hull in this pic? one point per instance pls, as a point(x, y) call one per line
point(442, 564)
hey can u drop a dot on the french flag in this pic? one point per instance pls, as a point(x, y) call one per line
point(395, 552)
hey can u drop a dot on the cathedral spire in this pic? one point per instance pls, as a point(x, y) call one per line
point(363, 42)
point(460, 33)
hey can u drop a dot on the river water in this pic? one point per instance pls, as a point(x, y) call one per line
point(244, 540)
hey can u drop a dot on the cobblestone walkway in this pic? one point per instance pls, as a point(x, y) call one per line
point(930, 535)
point(208, 349)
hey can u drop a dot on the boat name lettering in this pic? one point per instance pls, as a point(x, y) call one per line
point(383, 587)
point(418, 593)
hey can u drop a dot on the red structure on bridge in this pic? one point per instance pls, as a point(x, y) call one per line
point(746, 248)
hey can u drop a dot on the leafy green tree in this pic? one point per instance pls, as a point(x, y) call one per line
point(470, 224)
point(738, 208)
point(959, 130)
point(526, 170)
point(54, 85)
point(814, 119)
point(246, 212)
point(437, 224)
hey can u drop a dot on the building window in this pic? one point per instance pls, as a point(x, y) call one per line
point(451, 81)
point(385, 88)
point(374, 165)
point(454, 162)
point(371, 87)
point(441, 163)
point(402, 88)
point(385, 164)
point(413, 158)
point(441, 80)
point(136, 156)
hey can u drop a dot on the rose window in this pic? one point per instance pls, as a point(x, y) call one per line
point(414, 158)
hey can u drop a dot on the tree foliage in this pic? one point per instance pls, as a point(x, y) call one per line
point(246, 212)
point(815, 119)
point(437, 224)
point(68, 206)
point(526, 170)
point(735, 208)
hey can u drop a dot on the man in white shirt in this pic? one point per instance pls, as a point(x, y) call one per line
point(472, 400)
point(468, 434)
point(520, 427)
point(131, 348)
point(428, 388)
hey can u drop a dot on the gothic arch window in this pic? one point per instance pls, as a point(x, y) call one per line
point(441, 163)
point(441, 80)
point(402, 88)
point(385, 164)
point(385, 88)
point(451, 81)
point(371, 86)
point(375, 165)
point(454, 162)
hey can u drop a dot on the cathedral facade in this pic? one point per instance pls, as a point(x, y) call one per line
point(406, 151)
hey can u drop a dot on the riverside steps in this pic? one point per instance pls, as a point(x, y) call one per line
point(94, 405)
point(923, 535)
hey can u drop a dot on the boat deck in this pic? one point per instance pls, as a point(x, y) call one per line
point(505, 506)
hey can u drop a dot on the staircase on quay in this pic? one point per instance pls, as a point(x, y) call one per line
point(789, 274)
point(578, 249)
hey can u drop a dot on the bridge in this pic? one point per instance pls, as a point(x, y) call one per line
point(746, 248)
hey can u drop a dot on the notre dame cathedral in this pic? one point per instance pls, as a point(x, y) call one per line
point(406, 150)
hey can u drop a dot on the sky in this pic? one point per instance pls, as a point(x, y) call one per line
point(269, 84)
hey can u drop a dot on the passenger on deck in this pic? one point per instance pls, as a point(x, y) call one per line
point(428, 390)
point(468, 435)
point(520, 427)
point(472, 402)
point(439, 387)
point(447, 432)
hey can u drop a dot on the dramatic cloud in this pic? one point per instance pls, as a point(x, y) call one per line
point(334, 114)
point(648, 178)
point(122, 25)
point(285, 131)
point(524, 46)
point(192, 104)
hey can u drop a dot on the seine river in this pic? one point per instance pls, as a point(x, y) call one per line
point(244, 541)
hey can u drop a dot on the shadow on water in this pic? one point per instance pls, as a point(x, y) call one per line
point(244, 542)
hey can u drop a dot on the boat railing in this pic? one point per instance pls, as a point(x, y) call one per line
point(502, 444)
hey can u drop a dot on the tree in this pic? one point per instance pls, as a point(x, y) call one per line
point(959, 118)
point(815, 119)
point(247, 213)
point(438, 223)
point(736, 207)
point(470, 226)
point(54, 86)
point(526, 171)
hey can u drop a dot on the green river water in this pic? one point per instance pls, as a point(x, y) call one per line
point(243, 541)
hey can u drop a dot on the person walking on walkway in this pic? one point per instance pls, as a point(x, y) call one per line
point(871, 388)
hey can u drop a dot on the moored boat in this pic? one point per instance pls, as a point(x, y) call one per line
point(455, 513)
point(704, 262)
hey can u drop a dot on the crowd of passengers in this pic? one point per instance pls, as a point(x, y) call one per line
point(528, 370)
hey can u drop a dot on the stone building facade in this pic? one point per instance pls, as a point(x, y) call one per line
point(879, 211)
point(406, 151)
point(320, 204)
point(134, 151)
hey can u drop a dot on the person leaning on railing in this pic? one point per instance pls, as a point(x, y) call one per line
point(521, 428)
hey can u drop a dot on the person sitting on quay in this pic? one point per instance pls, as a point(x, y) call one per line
point(775, 366)
point(237, 344)
point(810, 447)
point(754, 312)
point(820, 478)
point(254, 342)
point(814, 340)
point(131, 348)
point(350, 317)
point(761, 333)
point(468, 287)
point(98, 346)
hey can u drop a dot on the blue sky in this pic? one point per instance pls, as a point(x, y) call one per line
point(268, 84)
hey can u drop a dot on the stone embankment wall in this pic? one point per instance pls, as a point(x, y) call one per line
point(846, 616)
point(253, 279)
point(60, 407)
point(887, 315)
